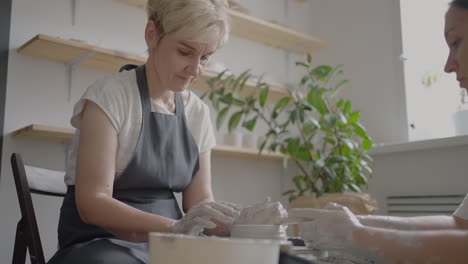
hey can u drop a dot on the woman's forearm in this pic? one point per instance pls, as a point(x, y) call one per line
point(413, 247)
point(436, 222)
point(121, 219)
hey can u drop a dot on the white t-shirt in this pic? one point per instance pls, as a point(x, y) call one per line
point(118, 96)
point(462, 210)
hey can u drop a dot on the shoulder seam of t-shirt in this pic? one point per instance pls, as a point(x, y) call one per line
point(109, 88)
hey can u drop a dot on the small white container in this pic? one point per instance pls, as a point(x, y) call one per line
point(275, 232)
point(233, 139)
point(167, 248)
point(460, 119)
point(249, 140)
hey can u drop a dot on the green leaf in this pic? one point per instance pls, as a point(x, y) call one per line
point(349, 143)
point(221, 116)
point(340, 103)
point(354, 187)
point(293, 116)
point(293, 146)
point(347, 108)
point(237, 102)
point(330, 140)
point(292, 198)
point(367, 158)
point(313, 121)
point(204, 95)
point(367, 170)
point(360, 130)
point(354, 116)
point(288, 192)
point(227, 99)
point(366, 144)
point(263, 96)
point(273, 147)
point(331, 119)
point(337, 159)
point(234, 120)
point(330, 173)
point(334, 72)
point(244, 80)
point(303, 154)
point(303, 64)
point(282, 103)
point(239, 80)
point(309, 128)
point(250, 125)
point(298, 180)
point(225, 84)
point(342, 118)
point(314, 97)
point(215, 79)
point(321, 72)
point(338, 88)
point(262, 146)
point(274, 114)
point(360, 179)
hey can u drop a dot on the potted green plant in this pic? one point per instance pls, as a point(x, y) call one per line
point(310, 125)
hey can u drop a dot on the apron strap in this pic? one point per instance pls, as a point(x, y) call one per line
point(127, 67)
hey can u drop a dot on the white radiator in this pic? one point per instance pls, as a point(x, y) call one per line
point(414, 205)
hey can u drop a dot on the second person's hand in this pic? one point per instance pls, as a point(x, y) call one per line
point(332, 228)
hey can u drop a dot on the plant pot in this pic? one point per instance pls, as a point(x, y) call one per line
point(460, 119)
point(249, 140)
point(358, 203)
point(233, 139)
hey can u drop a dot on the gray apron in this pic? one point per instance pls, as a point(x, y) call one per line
point(164, 161)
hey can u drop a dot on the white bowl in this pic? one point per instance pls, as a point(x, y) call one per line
point(275, 232)
point(167, 248)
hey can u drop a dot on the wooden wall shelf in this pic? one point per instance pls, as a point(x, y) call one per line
point(63, 50)
point(274, 35)
point(47, 133)
point(62, 135)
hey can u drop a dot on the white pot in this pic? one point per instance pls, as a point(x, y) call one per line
point(233, 139)
point(167, 248)
point(249, 140)
point(276, 232)
point(460, 119)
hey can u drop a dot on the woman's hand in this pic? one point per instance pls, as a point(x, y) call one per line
point(207, 215)
point(266, 212)
point(224, 229)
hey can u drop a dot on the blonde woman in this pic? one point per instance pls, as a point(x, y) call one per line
point(142, 135)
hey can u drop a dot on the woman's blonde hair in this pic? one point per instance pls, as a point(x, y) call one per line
point(196, 20)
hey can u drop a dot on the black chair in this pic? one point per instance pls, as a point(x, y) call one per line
point(27, 233)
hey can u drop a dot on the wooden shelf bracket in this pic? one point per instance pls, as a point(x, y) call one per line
point(70, 67)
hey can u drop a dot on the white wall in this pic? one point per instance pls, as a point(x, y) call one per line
point(426, 52)
point(365, 36)
point(37, 93)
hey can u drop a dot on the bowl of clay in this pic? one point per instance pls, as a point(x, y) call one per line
point(275, 232)
point(184, 249)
